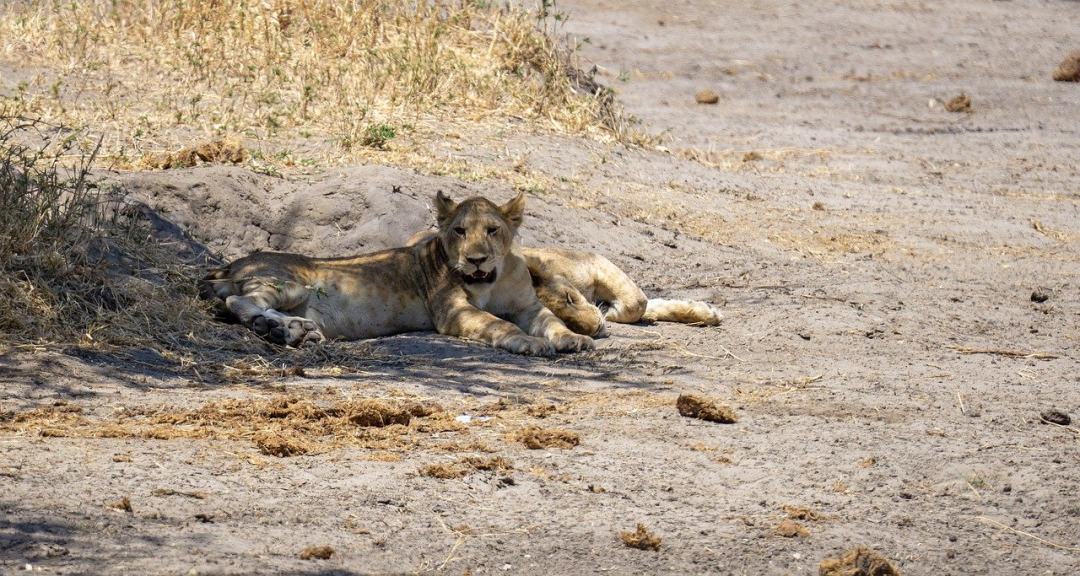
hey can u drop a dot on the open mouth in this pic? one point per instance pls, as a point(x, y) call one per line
point(479, 277)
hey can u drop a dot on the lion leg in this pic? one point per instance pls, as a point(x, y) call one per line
point(683, 311)
point(459, 318)
point(538, 321)
point(258, 308)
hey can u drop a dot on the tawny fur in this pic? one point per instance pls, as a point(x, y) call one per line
point(433, 284)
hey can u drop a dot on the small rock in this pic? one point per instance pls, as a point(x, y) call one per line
point(1056, 417)
point(706, 97)
point(1039, 295)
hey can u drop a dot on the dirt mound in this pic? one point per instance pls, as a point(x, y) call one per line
point(857, 562)
point(703, 408)
point(1069, 69)
point(536, 438)
point(235, 211)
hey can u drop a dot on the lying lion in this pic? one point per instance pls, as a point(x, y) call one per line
point(468, 280)
point(585, 290)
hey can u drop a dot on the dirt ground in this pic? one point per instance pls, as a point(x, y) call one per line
point(875, 256)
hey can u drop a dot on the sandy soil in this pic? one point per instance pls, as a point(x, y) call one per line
point(875, 256)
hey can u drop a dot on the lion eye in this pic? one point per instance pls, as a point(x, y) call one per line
point(492, 230)
point(459, 231)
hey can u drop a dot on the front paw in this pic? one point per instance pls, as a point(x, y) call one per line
point(529, 346)
point(571, 342)
point(292, 330)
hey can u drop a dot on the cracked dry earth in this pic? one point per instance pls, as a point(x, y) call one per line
point(875, 256)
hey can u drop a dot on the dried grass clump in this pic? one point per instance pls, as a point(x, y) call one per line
point(960, 103)
point(800, 512)
point(282, 444)
point(703, 408)
point(858, 561)
point(283, 426)
point(641, 538)
point(316, 553)
point(123, 504)
point(791, 529)
point(465, 466)
point(151, 73)
point(219, 151)
point(1069, 69)
point(536, 438)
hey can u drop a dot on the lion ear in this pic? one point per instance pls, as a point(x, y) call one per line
point(514, 210)
point(444, 206)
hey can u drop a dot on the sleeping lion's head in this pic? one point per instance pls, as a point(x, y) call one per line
point(477, 234)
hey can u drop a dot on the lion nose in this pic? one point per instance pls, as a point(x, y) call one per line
point(476, 260)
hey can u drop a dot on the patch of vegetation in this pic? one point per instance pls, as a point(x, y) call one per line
point(378, 136)
point(151, 73)
point(82, 269)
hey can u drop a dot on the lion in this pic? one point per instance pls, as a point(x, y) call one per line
point(586, 290)
point(467, 280)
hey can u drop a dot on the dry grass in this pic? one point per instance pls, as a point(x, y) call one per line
point(316, 553)
point(281, 426)
point(858, 561)
point(360, 75)
point(800, 512)
point(220, 151)
point(791, 529)
point(536, 438)
point(465, 466)
point(1069, 69)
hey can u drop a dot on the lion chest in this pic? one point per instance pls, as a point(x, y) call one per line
point(504, 297)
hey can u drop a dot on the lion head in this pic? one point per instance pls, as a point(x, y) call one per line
point(476, 234)
point(570, 305)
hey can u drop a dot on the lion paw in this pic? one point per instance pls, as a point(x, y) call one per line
point(529, 346)
point(573, 343)
point(287, 330)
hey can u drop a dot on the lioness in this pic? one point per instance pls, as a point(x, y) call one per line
point(585, 290)
point(468, 280)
